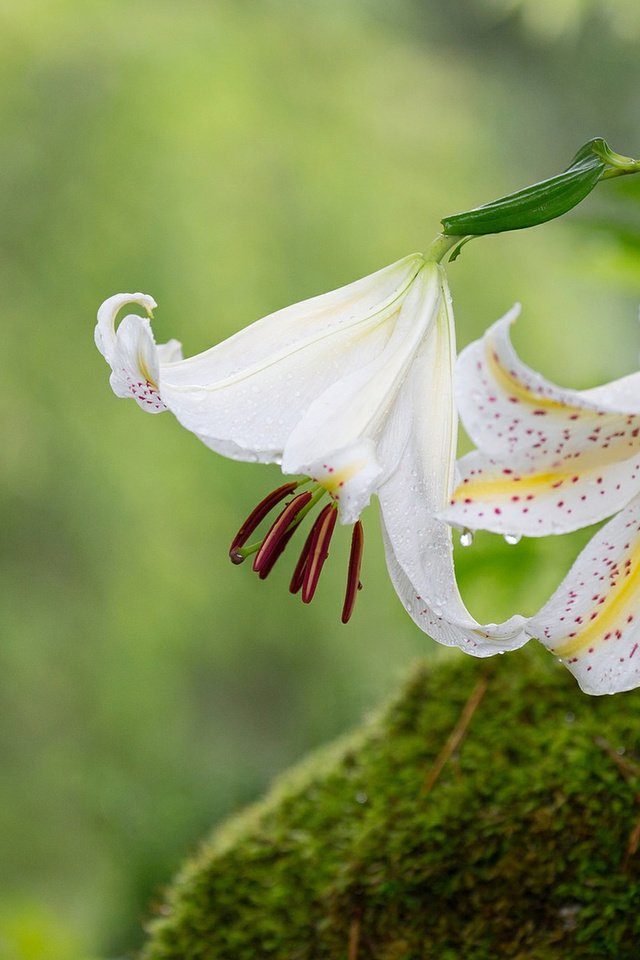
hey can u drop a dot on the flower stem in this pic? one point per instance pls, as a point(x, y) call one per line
point(440, 247)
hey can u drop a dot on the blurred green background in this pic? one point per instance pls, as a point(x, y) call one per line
point(230, 157)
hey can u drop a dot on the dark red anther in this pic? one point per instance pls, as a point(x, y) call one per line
point(270, 563)
point(298, 574)
point(279, 531)
point(353, 574)
point(256, 517)
point(318, 550)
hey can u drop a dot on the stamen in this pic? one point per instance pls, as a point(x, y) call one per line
point(353, 574)
point(270, 562)
point(316, 546)
point(256, 517)
point(298, 574)
point(318, 550)
point(278, 531)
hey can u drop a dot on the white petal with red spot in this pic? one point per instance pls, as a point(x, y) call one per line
point(514, 415)
point(351, 476)
point(132, 352)
point(592, 622)
point(136, 370)
point(491, 496)
point(550, 460)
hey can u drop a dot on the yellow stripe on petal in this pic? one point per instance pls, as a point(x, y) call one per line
point(146, 374)
point(505, 487)
point(515, 388)
point(612, 611)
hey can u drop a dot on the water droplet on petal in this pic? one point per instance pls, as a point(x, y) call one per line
point(466, 538)
point(512, 538)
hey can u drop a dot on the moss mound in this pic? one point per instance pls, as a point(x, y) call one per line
point(492, 810)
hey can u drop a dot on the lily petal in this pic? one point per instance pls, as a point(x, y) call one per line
point(623, 394)
point(591, 622)
point(513, 414)
point(336, 441)
point(503, 499)
point(418, 546)
point(105, 332)
point(245, 396)
point(169, 352)
point(551, 460)
point(132, 352)
point(136, 370)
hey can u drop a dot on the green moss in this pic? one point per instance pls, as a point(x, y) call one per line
point(520, 849)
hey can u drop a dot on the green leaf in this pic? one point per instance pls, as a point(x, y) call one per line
point(546, 200)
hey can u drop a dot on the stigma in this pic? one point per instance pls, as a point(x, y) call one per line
point(295, 503)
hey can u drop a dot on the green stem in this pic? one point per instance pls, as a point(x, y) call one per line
point(619, 166)
point(440, 247)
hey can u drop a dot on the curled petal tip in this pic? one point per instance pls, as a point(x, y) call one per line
point(149, 304)
point(512, 315)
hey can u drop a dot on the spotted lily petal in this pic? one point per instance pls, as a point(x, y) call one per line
point(508, 500)
point(131, 351)
point(550, 459)
point(592, 621)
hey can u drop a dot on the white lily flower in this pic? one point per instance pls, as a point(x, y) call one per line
point(552, 460)
point(353, 390)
